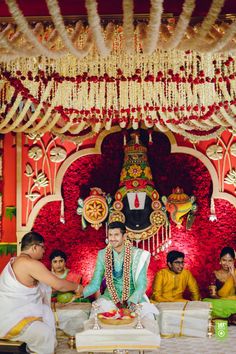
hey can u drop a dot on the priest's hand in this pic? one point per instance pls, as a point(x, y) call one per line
point(79, 291)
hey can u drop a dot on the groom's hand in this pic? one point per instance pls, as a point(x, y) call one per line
point(119, 305)
point(132, 307)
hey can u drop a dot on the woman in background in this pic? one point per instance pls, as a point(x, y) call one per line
point(58, 260)
point(222, 289)
point(69, 320)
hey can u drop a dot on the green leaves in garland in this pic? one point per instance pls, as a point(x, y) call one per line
point(10, 212)
point(7, 248)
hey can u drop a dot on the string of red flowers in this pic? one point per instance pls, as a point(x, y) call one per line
point(126, 273)
point(96, 115)
point(139, 75)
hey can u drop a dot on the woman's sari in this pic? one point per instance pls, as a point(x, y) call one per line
point(225, 306)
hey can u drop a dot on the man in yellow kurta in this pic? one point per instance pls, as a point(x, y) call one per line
point(170, 283)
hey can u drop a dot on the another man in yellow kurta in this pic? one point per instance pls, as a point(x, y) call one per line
point(170, 283)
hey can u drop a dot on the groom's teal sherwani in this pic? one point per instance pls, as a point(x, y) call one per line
point(138, 275)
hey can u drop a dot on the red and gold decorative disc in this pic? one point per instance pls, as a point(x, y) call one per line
point(158, 218)
point(95, 209)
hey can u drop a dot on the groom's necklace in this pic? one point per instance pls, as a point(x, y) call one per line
point(126, 273)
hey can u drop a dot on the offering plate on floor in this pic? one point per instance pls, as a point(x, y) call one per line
point(117, 317)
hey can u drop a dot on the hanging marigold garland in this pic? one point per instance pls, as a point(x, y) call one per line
point(126, 273)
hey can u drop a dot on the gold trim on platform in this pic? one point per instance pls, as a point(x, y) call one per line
point(182, 318)
point(173, 335)
point(115, 346)
point(169, 336)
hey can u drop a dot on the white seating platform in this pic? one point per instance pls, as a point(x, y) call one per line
point(107, 340)
point(181, 345)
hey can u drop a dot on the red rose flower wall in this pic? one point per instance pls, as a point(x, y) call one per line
point(201, 244)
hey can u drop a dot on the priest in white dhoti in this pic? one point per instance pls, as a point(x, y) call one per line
point(25, 290)
point(124, 268)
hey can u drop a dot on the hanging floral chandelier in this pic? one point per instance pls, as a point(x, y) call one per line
point(185, 92)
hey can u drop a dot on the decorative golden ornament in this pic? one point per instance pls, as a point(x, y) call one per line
point(118, 196)
point(231, 178)
point(135, 171)
point(135, 183)
point(155, 195)
point(233, 149)
point(57, 154)
point(117, 216)
point(35, 153)
point(215, 152)
point(41, 180)
point(158, 218)
point(156, 204)
point(95, 210)
point(35, 136)
point(179, 204)
point(29, 170)
point(142, 234)
point(118, 205)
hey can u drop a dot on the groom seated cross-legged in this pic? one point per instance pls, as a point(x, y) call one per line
point(170, 283)
point(125, 270)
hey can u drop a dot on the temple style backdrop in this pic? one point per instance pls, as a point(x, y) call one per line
point(62, 227)
point(75, 83)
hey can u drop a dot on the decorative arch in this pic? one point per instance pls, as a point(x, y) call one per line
point(96, 150)
point(215, 182)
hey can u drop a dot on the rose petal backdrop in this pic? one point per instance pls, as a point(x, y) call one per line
point(201, 244)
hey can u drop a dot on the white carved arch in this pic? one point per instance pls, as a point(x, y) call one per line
point(214, 177)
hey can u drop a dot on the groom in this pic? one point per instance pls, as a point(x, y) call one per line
point(125, 270)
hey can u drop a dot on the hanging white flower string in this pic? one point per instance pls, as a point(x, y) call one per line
point(213, 216)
